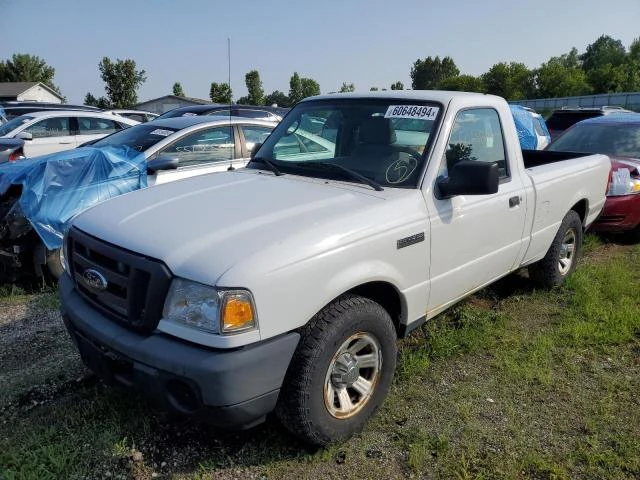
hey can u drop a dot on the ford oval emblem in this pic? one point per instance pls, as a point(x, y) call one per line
point(94, 279)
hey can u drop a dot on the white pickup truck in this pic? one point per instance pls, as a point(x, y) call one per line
point(284, 286)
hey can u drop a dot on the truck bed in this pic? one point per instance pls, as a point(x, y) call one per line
point(535, 158)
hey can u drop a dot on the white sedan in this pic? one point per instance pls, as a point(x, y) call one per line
point(56, 130)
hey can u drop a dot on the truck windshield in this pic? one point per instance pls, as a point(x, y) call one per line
point(383, 140)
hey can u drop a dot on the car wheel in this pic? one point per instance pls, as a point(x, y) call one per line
point(55, 266)
point(341, 371)
point(562, 256)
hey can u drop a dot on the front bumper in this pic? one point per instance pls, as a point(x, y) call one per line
point(620, 214)
point(227, 388)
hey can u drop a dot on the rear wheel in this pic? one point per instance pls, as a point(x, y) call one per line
point(341, 371)
point(562, 256)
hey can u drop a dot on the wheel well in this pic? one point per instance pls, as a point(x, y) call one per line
point(581, 209)
point(386, 295)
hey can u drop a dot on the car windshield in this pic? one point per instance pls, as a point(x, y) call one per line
point(383, 140)
point(615, 139)
point(139, 137)
point(11, 125)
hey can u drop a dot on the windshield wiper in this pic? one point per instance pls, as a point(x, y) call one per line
point(269, 164)
point(351, 173)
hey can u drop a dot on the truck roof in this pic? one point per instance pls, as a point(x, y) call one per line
point(440, 96)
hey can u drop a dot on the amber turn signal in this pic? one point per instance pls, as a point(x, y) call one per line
point(237, 313)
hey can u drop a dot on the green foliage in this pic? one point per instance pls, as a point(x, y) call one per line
point(397, 85)
point(562, 77)
point(254, 86)
point(177, 90)
point(512, 81)
point(429, 73)
point(23, 67)
point(220, 93)
point(463, 83)
point(121, 81)
point(295, 88)
point(309, 87)
point(277, 98)
point(92, 101)
point(347, 87)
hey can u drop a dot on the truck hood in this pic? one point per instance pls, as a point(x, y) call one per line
point(202, 226)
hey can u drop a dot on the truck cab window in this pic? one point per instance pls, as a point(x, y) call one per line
point(476, 135)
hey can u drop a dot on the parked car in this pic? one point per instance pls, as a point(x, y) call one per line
point(174, 148)
point(617, 136)
point(56, 130)
point(12, 109)
point(560, 120)
point(532, 131)
point(274, 114)
point(283, 286)
point(137, 115)
point(11, 149)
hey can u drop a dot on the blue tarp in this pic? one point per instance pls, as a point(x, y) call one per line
point(58, 186)
point(524, 120)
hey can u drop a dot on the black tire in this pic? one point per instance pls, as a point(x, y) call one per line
point(303, 405)
point(54, 264)
point(550, 272)
point(633, 236)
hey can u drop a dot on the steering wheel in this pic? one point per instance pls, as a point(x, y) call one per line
point(410, 151)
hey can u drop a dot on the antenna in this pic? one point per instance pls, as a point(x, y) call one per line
point(231, 168)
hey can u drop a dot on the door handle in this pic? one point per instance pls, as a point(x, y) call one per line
point(65, 143)
point(514, 201)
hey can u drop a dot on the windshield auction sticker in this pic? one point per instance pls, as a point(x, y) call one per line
point(412, 111)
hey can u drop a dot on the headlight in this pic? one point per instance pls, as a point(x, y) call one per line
point(622, 183)
point(206, 308)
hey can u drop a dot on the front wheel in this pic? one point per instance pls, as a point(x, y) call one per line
point(562, 257)
point(341, 371)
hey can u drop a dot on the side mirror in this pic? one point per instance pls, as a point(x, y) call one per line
point(162, 162)
point(468, 177)
point(25, 136)
point(255, 149)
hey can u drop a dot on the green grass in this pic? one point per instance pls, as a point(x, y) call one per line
point(513, 383)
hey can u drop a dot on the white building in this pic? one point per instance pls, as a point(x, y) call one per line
point(28, 91)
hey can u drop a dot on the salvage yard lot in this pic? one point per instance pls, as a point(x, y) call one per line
point(513, 383)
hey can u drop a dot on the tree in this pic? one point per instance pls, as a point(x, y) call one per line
point(604, 64)
point(561, 77)
point(309, 87)
point(632, 65)
point(513, 81)
point(254, 86)
point(277, 98)
point(177, 90)
point(463, 83)
point(220, 93)
point(121, 81)
point(23, 67)
point(244, 100)
point(397, 86)
point(347, 87)
point(295, 89)
point(92, 101)
point(427, 74)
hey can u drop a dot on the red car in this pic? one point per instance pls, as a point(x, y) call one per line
point(619, 137)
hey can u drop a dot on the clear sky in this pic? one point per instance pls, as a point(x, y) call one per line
point(369, 43)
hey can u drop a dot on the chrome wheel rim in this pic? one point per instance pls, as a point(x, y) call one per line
point(352, 375)
point(567, 252)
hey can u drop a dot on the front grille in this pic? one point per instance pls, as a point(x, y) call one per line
point(136, 286)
